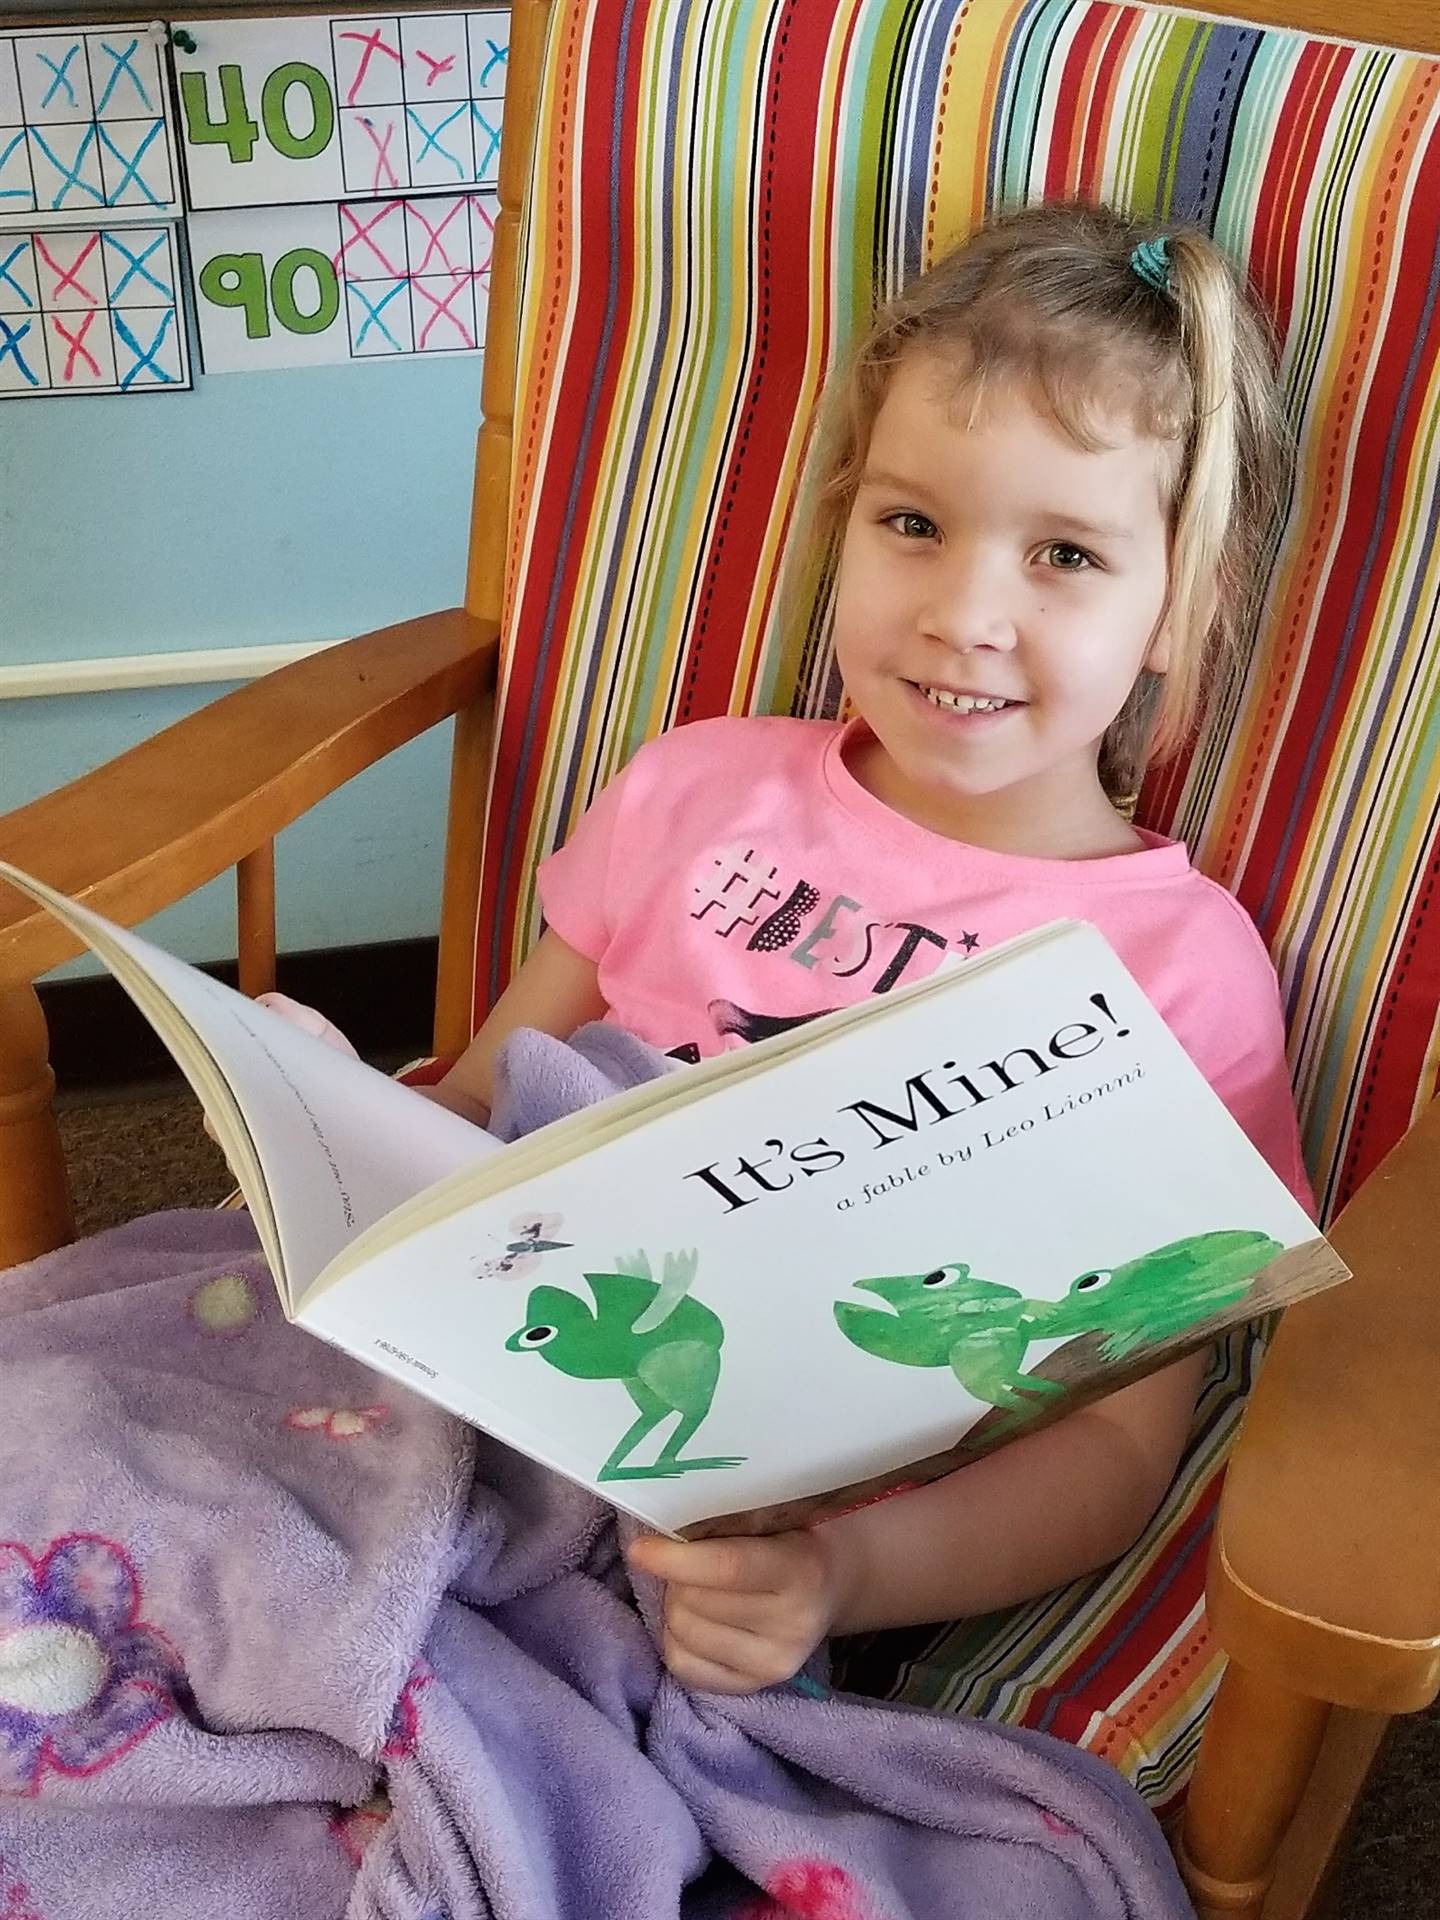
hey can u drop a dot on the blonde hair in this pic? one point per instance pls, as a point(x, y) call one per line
point(1048, 299)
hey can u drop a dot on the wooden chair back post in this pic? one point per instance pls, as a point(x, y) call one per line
point(489, 534)
point(35, 1210)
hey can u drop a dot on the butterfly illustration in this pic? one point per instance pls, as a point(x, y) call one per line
point(533, 1235)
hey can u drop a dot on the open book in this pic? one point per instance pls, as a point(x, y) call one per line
point(759, 1290)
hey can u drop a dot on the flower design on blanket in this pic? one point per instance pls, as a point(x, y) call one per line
point(353, 1828)
point(337, 1423)
point(808, 1890)
point(225, 1305)
point(83, 1678)
point(15, 1901)
point(404, 1728)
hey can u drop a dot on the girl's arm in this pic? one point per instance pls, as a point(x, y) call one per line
point(1061, 1502)
point(556, 990)
point(1053, 1505)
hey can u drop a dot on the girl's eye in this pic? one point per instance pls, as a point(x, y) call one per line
point(912, 526)
point(1066, 557)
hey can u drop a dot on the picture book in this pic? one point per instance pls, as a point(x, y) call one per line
point(759, 1290)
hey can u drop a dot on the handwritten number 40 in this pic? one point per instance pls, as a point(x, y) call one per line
point(234, 129)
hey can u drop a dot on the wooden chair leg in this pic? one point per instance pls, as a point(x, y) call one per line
point(1312, 1846)
point(1255, 1760)
point(34, 1194)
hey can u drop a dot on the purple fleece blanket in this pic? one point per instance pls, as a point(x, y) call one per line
point(279, 1641)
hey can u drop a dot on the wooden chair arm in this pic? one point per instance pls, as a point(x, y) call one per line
point(149, 827)
point(1325, 1576)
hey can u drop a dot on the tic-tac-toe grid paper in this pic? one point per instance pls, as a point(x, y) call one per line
point(353, 280)
point(90, 311)
point(84, 127)
point(285, 111)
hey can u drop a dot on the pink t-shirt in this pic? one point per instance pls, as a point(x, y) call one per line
point(735, 878)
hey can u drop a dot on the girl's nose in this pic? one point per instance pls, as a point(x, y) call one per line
point(969, 606)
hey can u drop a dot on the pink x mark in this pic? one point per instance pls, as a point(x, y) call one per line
point(437, 67)
point(487, 232)
point(434, 244)
point(372, 43)
point(69, 277)
point(77, 345)
point(365, 232)
point(442, 309)
point(382, 151)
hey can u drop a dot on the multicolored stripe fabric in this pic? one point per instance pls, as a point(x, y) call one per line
point(725, 189)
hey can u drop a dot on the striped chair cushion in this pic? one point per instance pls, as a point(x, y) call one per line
point(723, 193)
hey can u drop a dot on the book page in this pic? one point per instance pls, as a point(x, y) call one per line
point(821, 1274)
point(321, 1145)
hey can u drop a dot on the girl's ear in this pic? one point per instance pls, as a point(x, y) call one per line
point(1157, 655)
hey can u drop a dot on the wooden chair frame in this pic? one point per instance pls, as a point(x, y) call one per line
point(1325, 1571)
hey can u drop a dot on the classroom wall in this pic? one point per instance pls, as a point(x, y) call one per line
point(267, 507)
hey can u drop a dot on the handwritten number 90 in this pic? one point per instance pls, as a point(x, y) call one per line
point(238, 280)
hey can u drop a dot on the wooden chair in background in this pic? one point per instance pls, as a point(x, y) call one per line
point(1325, 1566)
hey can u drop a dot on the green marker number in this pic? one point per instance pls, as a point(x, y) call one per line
point(326, 289)
point(238, 280)
point(275, 110)
point(237, 132)
point(234, 130)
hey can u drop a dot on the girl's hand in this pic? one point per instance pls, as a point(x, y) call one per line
point(744, 1613)
point(306, 1018)
point(298, 1015)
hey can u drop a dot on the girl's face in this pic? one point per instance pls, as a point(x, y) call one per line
point(1000, 590)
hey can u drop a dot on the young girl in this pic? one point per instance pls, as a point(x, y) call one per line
point(1049, 472)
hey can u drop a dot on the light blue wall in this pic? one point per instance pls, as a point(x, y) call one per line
point(261, 507)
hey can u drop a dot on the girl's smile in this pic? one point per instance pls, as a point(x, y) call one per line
point(965, 704)
point(1000, 590)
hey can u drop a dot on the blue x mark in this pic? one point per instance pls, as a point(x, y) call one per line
point(499, 57)
point(10, 338)
point(373, 311)
point(432, 139)
point(492, 148)
point(13, 193)
point(61, 73)
point(136, 264)
point(144, 356)
point(7, 278)
point(132, 166)
point(122, 65)
point(71, 174)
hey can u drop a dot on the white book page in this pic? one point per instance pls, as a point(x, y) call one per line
point(1065, 1135)
point(339, 1144)
point(321, 1145)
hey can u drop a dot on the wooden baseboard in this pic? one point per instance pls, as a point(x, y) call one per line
point(382, 996)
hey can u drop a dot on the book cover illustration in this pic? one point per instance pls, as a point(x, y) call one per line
point(1001, 1199)
point(660, 1342)
point(664, 1345)
point(981, 1329)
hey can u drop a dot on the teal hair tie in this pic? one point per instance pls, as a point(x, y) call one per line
point(1151, 263)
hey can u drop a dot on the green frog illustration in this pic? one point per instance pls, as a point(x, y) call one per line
point(656, 1339)
point(981, 1329)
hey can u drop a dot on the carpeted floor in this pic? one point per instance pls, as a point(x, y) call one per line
point(145, 1150)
